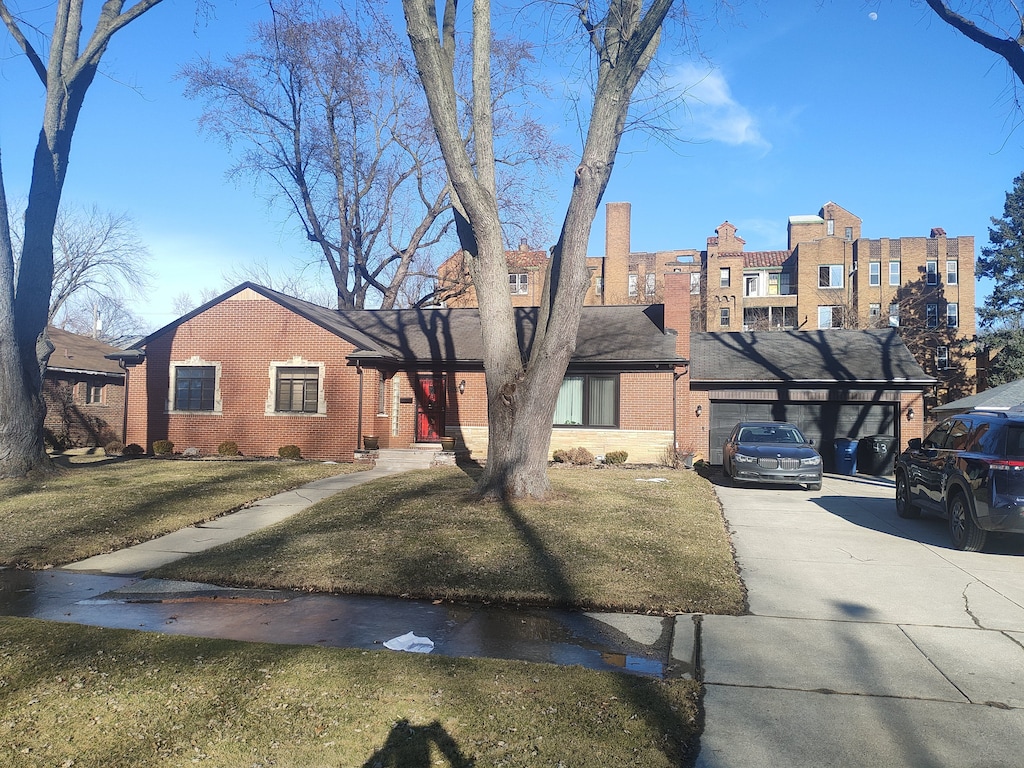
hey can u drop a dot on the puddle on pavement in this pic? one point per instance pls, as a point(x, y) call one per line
point(640, 646)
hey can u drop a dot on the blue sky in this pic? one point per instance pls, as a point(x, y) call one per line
point(896, 118)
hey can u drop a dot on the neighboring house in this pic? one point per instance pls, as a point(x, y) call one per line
point(828, 277)
point(832, 384)
point(83, 390)
point(525, 278)
point(266, 370)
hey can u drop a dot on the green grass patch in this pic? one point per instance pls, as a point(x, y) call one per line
point(83, 696)
point(90, 506)
point(607, 539)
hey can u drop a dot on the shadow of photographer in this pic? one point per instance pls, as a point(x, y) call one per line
point(408, 746)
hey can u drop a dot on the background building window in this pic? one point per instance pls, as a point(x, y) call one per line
point(874, 273)
point(650, 283)
point(849, 233)
point(723, 277)
point(874, 312)
point(750, 285)
point(723, 317)
point(298, 389)
point(931, 314)
point(588, 400)
point(695, 282)
point(830, 276)
point(519, 284)
point(632, 284)
point(952, 272)
point(942, 358)
point(194, 387)
point(894, 315)
point(830, 317)
point(93, 393)
point(932, 272)
point(894, 273)
point(952, 315)
point(598, 286)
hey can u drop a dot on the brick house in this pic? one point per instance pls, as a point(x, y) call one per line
point(266, 370)
point(83, 390)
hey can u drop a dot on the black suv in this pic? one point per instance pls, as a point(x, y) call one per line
point(971, 469)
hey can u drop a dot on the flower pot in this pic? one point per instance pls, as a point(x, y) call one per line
point(371, 442)
point(447, 443)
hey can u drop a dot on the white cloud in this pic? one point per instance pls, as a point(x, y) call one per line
point(711, 112)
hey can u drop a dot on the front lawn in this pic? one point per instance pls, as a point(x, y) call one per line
point(94, 506)
point(82, 696)
point(608, 539)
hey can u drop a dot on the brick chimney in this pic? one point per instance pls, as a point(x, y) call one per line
point(616, 253)
point(677, 309)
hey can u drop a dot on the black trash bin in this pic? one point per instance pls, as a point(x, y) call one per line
point(846, 455)
point(876, 455)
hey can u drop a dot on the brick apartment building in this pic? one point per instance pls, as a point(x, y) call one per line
point(828, 277)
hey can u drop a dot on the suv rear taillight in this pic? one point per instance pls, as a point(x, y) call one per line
point(1007, 464)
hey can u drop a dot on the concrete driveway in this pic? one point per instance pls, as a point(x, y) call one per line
point(871, 642)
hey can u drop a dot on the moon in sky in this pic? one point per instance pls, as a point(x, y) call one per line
point(873, 16)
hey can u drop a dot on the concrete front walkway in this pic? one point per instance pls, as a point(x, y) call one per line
point(871, 642)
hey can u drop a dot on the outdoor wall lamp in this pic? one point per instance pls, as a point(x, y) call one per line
point(462, 387)
point(699, 411)
point(910, 414)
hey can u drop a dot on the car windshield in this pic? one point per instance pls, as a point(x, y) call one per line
point(770, 434)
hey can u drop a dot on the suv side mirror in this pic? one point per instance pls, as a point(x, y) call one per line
point(914, 444)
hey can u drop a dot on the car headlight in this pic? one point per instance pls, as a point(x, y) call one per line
point(812, 461)
point(741, 458)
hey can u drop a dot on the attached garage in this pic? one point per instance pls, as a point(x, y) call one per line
point(831, 384)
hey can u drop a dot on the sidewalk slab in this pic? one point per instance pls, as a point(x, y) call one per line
point(837, 656)
point(757, 728)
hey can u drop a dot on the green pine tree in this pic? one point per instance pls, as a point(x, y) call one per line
point(1002, 314)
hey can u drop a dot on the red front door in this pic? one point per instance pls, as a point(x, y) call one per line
point(430, 408)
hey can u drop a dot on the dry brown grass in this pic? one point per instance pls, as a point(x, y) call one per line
point(608, 539)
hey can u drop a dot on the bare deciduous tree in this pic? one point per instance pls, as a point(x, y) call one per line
point(66, 72)
point(623, 36)
point(999, 30)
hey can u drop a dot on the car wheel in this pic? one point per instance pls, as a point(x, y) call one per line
point(814, 486)
point(905, 508)
point(965, 533)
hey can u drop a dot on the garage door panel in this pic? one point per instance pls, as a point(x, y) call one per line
point(821, 422)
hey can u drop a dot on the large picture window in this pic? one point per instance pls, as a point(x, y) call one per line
point(194, 387)
point(830, 276)
point(588, 400)
point(297, 389)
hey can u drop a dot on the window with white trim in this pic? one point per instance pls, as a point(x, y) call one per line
point(894, 315)
point(894, 273)
point(695, 283)
point(874, 273)
point(194, 386)
point(952, 272)
point(651, 284)
point(942, 358)
point(93, 394)
point(519, 284)
point(296, 387)
point(633, 279)
point(830, 317)
point(931, 269)
point(598, 286)
point(724, 278)
point(952, 315)
point(752, 285)
point(723, 317)
point(874, 312)
point(931, 314)
point(830, 276)
point(588, 400)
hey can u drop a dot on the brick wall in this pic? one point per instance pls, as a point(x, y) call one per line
point(71, 421)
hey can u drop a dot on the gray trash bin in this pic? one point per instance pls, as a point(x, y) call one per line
point(876, 455)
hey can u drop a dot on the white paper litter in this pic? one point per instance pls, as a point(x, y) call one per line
point(652, 479)
point(410, 642)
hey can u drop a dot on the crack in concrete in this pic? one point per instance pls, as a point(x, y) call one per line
point(967, 606)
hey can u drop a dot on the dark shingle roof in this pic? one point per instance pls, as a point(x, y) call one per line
point(871, 356)
point(74, 352)
point(623, 336)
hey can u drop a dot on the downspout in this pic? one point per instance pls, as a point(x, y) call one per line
point(359, 417)
point(124, 411)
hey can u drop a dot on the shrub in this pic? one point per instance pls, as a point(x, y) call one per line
point(114, 448)
point(163, 447)
point(132, 449)
point(579, 456)
point(289, 452)
point(228, 448)
point(615, 457)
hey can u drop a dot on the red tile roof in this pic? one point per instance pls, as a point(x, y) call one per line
point(765, 258)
